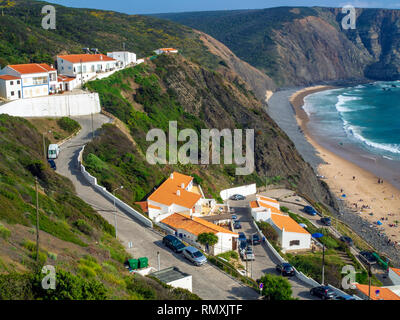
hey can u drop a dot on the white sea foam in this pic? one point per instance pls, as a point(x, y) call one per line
point(355, 132)
point(343, 100)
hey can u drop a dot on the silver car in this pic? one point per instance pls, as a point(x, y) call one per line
point(248, 254)
point(194, 255)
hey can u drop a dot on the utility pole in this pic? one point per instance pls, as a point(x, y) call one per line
point(81, 74)
point(323, 264)
point(92, 126)
point(159, 261)
point(44, 149)
point(369, 281)
point(37, 220)
point(115, 210)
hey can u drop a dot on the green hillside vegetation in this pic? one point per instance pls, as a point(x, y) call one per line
point(23, 40)
point(73, 238)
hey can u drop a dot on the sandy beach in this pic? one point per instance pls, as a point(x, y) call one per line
point(369, 199)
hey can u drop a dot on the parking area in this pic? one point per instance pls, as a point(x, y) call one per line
point(264, 261)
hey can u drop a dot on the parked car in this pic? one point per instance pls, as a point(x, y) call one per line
point(242, 245)
point(242, 237)
point(237, 197)
point(194, 255)
point(52, 164)
point(237, 225)
point(254, 239)
point(344, 297)
point(310, 210)
point(347, 240)
point(323, 292)
point(53, 151)
point(248, 254)
point(368, 257)
point(326, 221)
point(173, 243)
point(285, 269)
point(234, 217)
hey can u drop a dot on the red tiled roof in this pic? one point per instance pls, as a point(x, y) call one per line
point(62, 78)
point(77, 58)
point(194, 225)
point(167, 193)
point(384, 293)
point(287, 223)
point(8, 77)
point(31, 68)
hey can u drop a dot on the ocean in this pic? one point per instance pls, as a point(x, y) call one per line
point(366, 117)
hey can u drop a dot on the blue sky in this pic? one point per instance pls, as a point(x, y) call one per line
point(161, 6)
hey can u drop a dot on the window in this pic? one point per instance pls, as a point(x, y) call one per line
point(18, 82)
point(12, 93)
point(40, 80)
point(294, 243)
point(12, 83)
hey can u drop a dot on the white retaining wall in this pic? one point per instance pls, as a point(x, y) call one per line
point(54, 106)
point(243, 190)
point(93, 181)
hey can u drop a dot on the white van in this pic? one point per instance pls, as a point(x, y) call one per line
point(54, 151)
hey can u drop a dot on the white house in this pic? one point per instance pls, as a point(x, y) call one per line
point(123, 57)
point(175, 278)
point(84, 67)
point(292, 237)
point(394, 276)
point(165, 50)
point(188, 228)
point(66, 83)
point(37, 79)
point(10, 87)
point(176, 194)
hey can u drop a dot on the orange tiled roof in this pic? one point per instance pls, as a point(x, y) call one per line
point(254, 204)
point(268, 199)
point(31, 68)
point(272, 208)
point(384, 294)
point(282, 221)
point(143, 205)
point(62, 78)
point(8, 77)
point(167, 193)
point(195, 226)
point(154, 207)
point(396, 271)
point(168, 49)
point(76, 58)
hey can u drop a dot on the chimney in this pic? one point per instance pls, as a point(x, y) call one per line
point(171, 176)
point(178, 193)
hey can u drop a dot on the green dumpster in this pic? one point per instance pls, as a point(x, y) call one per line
point(143, 262)
point(133, 264)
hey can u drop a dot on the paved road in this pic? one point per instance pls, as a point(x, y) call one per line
point(265, 261)
point(208, 281)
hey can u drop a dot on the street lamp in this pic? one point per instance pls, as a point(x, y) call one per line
point(115, 210)
point(318, 235)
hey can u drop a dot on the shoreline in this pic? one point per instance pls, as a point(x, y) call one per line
point(368, 199)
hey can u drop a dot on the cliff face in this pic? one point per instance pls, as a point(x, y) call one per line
point(300, 46)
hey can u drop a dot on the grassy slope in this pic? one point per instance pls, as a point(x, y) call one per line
point(73, 236)
point(22, 39)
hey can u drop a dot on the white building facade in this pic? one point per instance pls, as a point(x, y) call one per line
point(84, 67)
point(10, 87)
point(125, 58)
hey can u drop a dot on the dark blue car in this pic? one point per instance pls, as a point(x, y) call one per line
point(310, 210)
point(52, 164)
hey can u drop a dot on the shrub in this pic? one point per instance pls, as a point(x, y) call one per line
point(268, 231)
point(69, 125)
point(276, 287)
point(84, 227)
point(4, 232)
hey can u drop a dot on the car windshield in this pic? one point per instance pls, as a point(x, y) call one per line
point(197, 254)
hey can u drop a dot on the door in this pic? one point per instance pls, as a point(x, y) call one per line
point(19, 94)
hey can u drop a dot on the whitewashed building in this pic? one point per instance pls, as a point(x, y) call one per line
point(292, 237)
point(36, 79)
point(84, 67)
point(394, 276)
point(10, 87)
point(175, 278)
point(165, 50)
point(188, 228)
point(123, 57)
